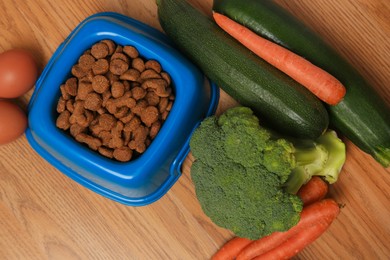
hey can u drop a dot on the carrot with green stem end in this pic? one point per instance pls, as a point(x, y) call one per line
point(325, 211)
point(326, 87)
point(314, 190)
point(231, 249)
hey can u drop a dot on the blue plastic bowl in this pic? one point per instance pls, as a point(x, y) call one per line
point(147, 178)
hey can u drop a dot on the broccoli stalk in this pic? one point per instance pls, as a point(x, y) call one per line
point(324, 157)
point(246, 178)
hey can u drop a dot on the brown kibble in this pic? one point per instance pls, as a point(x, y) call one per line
point(78, 72)
point(106, 96)
point(154, 83)
point(111, 46)
point(130, 115)
point(152, 98)
point(63, 120)
point(121, 112)
point(131, 51)
point(93, 101)
point(99, 50)
point(61, 105)
point(117, 89)
point(100, 67)
point(120, 56)
point(167, 78)
point(154, 129)
point(86, 61)
point(65, 95)
point(107, 121)
point(106, 152)
point(84, 89)
point(115, 102)
point(148, 74)
point(123, 154)
point(100, 84)
point(118, 66)
point(112, 78)
point(105, 137)
point(76, 129)
point(162, 106)
point(131, 75)
point(140, 134)
point(70, 105)
point(139, 107)
point(154, 65)
point(71, 86)
point(92, 142)
point(138, 93)
point(149, 115)
point(116, 133)
point(134, 123)
point(138, 64)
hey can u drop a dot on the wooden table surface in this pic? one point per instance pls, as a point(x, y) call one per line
point(45, 215)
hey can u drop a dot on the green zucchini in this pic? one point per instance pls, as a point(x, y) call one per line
point(281, 102)
point(362, 116)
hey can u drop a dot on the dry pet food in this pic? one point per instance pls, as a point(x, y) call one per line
point(116, 101)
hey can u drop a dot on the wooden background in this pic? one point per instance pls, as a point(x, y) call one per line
point(45, 215)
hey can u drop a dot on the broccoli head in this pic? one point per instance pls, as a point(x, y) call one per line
point(243, 174)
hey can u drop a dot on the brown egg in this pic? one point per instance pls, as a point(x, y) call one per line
point(18, 73)
point(13, 121)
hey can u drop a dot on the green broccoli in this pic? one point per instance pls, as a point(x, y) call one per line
point(246, 179)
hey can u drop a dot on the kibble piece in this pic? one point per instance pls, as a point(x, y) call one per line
point(154, 65)
point(154, 129)
point(71, 86)
point(118, 66)
point(134, 123)
point(61, 105)
point(112, 77)
point(63, 120)
point(138, 93)
point(84, 89)
point(93, 101)
point(76, 129)
point(100, 84)
point(152, 98)
point(148, 74)
point(149, 115)
point(65, 95)
point(93, 142)
point(162, 106)
point(101, 66)
point(86, 61)
point(117, 89)
point(78, 72)
point(111, 46)
point(123, 154)
point(70, 105)
point(131, 51)
point(167, 78)
point(131, 75)
point(99, 50)
point(138, 64)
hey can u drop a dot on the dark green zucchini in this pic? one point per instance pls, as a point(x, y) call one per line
point(362, 116)
point(281, 102)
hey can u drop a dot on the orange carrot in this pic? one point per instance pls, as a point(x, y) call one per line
point(325, 210)
point(231, 249)
point(319, 82)
point(295, 244)
point(314, 190)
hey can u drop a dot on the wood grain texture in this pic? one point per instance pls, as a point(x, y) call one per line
point(45, 215)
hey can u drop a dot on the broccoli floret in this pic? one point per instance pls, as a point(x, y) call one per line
point(244, 175)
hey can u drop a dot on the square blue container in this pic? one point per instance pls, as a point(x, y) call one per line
point(147, 178)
